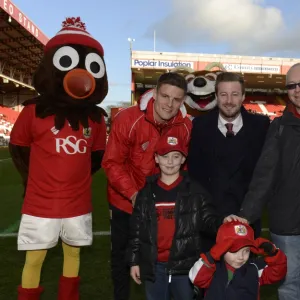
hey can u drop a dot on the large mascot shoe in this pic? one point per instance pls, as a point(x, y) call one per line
point(29, 294)
point(68, 288)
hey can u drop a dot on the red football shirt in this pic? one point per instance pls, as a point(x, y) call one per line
point(165, 196)
point(59, 181)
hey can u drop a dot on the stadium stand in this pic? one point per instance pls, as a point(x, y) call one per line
point(21, 49)
point(7, 120)
point(269, 105)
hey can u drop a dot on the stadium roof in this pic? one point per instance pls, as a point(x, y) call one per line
point(259, 72)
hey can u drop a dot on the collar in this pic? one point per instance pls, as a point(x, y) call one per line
point(169, 187)
point(291, 108)
point(237, 122)
point(229, 267)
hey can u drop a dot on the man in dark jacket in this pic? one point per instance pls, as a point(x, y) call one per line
point(225, 146)
point(170, 213)
point(276, 181)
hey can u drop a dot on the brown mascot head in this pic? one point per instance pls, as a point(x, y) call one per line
point(201, 95)
point(71, 79)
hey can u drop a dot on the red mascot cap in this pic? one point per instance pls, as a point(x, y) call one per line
point(73, 32)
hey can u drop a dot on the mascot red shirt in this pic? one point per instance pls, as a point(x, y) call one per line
point(53, 189)
point(56, 144)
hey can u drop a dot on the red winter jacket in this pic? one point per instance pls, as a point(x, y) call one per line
point(271, 269)
point(129, 155)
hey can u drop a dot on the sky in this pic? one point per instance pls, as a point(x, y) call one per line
point(240, 27)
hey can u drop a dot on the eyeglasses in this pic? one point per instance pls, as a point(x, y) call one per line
point(292, 86)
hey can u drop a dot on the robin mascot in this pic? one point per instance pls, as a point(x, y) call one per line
point(57, 143)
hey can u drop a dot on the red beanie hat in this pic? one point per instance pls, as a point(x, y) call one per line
point(73, 32)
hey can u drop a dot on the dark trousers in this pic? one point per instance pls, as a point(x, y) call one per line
point(178, 287)
point(120, 271)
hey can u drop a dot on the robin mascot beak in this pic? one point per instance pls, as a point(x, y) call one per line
point(79, 84)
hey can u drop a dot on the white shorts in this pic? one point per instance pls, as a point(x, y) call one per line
point(37, 233)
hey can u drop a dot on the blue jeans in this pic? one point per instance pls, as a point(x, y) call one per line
point(290, 245)
point(180, 287)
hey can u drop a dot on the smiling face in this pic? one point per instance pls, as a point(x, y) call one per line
point(170, 163)
point(293, 76)
point(229, 99)
point(201, 95)
point(73, 74)
point(237, 259)
point(168, 99)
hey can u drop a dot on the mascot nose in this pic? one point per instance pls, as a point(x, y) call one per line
point(199, 82)
point(79, 83)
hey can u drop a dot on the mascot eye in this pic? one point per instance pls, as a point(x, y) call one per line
point(95, 65)
point(189, 77)
point(211, 76)
point(65, 58)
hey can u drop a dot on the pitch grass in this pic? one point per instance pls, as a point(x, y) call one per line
point(95, 260)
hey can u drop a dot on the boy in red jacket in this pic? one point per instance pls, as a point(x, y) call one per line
point(228, 272)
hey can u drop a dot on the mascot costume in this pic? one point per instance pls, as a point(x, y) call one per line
point(56, 144)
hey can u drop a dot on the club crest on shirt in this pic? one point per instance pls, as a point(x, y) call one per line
point(54, 130)
point(87, 132)
point(145, 146)
point(172, 141)
point(240, 230)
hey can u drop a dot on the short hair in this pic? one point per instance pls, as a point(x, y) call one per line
point(174, 79)
point(230, 77)
point(291, 68)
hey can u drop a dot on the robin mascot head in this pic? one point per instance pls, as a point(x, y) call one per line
point(71, 79)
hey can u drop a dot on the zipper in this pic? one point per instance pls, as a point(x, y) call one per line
point(154, 228)
point(229, 282)
point(170, 276)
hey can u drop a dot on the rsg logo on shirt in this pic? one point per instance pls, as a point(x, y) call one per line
point(71, 145)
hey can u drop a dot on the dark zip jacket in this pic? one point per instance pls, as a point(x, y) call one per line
point(194, 214)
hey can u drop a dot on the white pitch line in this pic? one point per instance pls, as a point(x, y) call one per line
point(4, 159)
point(15, 234)
point(101, 233)
point(96, 233)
